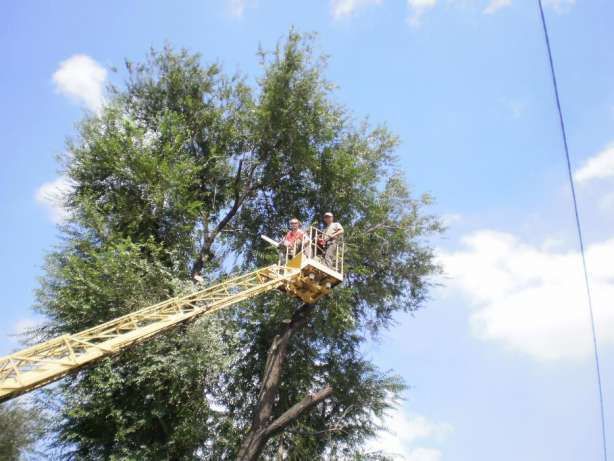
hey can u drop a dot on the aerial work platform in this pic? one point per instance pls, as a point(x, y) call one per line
point(300, 273)
point(315, 278)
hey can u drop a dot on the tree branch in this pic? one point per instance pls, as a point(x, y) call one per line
point(292, 413)
point(239, 198)
point(236, 204)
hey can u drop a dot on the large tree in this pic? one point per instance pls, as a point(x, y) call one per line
point(177, 177)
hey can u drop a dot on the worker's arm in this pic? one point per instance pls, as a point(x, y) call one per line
point(336, 234)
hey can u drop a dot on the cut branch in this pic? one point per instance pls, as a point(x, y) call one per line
point(290, 415)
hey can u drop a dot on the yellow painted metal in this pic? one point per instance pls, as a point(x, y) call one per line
point(41, 364)
point(297, 261)
point(302, 277)
point(314, 280)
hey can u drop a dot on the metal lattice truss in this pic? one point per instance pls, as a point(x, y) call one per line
point(41, 364)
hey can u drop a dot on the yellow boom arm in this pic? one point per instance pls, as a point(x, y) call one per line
point(53, 359)
point(301, 276)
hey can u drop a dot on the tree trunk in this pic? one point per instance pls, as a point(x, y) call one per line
point(263, 427)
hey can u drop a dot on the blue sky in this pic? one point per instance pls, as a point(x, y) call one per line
point(500, 359)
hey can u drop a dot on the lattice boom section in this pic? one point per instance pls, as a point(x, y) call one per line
point(53, 359)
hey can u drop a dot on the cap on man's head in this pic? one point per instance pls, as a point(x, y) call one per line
point(328, 213)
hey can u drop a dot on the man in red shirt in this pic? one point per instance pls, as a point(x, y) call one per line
point(292, 240)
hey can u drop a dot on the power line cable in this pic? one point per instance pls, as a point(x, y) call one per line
point(579, 231)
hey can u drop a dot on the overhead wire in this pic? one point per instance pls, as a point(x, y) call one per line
point(579, 233)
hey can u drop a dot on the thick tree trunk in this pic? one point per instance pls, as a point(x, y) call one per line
point(263, 427)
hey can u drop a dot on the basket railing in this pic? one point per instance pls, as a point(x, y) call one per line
point(316, 245)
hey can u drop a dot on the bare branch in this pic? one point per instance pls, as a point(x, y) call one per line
point(240, 194)
point(298, 409)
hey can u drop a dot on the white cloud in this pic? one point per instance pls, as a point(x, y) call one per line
point(424, 454)
point(24, 325)
point(517, 107)
point(237, 7)
point(418, 8)
point(532, 299)
point(495, 5)
point(600, 166)
point(606, 202)
point(341, 8)
point(51, 196)
point(81, 79)
point(448, 219)
point(406, 434)
point(16, 333)
point(560, 6)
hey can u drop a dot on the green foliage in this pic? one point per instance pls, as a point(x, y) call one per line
point(21, 427)
point(144, 405)
point(88, 283)
point(182, 172)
